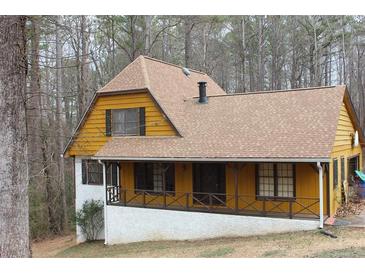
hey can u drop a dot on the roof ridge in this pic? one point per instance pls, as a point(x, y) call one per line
point(171, 64)
point(145, 73)
point(272, 91)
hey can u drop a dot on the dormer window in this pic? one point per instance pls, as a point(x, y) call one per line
point(125, 122)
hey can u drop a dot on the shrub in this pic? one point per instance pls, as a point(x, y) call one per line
point(90, 219)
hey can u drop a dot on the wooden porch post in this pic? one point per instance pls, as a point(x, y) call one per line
point(105, 203)
point(320, 180)
point(236, 170)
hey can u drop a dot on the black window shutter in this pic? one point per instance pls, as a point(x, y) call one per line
point(170, 177)
point(108, 122)
point(83, 171)
point(142, 122)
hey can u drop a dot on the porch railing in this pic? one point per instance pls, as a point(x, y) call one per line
point(298, 207)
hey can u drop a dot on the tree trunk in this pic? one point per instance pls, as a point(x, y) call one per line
point(33, 107)
point(113, 48)
point(49, 124)
point(243, 56)
point(343, 52)
point(80, 95)
point(188, 24)
point(84, 76)
point(147, 37)
point(60, 131)
point(260, 62)
point(14, 207)
point(206, 32)
point(165, 40)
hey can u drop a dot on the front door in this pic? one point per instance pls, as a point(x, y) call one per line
point(209, 183)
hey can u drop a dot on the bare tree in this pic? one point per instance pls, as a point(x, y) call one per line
point(147, 39)
point(260, 53)
point(14, 214)
point(60, 120)
point(188, 27)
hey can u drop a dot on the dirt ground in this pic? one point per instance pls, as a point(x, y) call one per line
point(51, 247)
point(350, 242)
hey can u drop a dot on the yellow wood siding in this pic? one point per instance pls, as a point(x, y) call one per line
point(306, 187)
point(342, 147)
point(92, 137)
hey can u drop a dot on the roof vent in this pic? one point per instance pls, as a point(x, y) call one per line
point(186, 71)
point(203, 99)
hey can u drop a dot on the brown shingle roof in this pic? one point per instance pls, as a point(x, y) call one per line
point(284, 124)
point(297, 124)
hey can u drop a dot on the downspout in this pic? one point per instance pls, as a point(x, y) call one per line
point(105, 209)
point(320, 174)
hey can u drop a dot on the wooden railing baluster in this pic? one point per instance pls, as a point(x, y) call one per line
point(187, 200)
point(291, 209)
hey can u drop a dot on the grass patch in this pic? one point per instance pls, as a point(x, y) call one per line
point(277, 253)
point(350, 243)
point(352, 252)
point(97, 249)
point(219, 252)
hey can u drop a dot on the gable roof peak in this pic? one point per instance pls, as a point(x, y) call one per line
point(133, 76)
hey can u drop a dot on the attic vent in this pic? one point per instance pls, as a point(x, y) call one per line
point(186, 71)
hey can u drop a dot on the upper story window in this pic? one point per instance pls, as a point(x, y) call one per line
point(129, 121)
point(92, 172)
point(125, 121)
point(276, 180)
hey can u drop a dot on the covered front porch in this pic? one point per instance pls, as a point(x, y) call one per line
point(295, 190)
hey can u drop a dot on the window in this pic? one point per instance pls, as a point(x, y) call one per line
point(342, 169)
point(335, 173)
point(157, 177)
point(352, 165)
point(285, 178)
point(126, 121)
point(92, 172)
point(266, 180)
point(276, 180)
point(112, 174)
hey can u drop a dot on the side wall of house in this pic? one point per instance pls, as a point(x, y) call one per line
point(91, 136)
point(84, 193)
point(307, 188)
point(342, 148)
